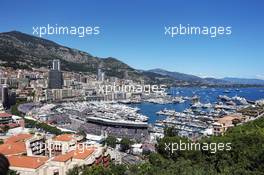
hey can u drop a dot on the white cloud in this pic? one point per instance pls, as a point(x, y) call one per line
point(203, 75)
point(260, 76)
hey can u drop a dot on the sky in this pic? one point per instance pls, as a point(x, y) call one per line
point(133, 32)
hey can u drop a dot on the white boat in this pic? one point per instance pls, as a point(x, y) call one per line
point(178, 100)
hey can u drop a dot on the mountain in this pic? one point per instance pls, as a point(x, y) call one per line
point(190, 78)
point(176, 75)
point(217, 81)
point(244, 81)
point(20, 50)
point(195, 80)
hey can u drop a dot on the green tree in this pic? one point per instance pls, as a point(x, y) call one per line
point(12, 172)
point(125, 144)
point(111, 141)
point(45, 127)
point(246, 156)
point(76, 170)
point(170, 131)
point(14, 108)
point(117, 169)
point(5, 128)
point(96, 170)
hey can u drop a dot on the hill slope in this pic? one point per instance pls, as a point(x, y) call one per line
point(190, 78)
point(244, 81)
point(177, 75)
point(19, 50)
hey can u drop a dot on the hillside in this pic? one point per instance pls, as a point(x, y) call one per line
point(195, 80)
point(244, 81)
point(190, 78)
point(19, 50)
point(246, 156)
point(177, 75)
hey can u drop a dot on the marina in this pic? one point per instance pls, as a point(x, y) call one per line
point(191, 111)
point(201, 108)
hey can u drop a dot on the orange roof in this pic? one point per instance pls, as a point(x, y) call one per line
point(83, 153)
point(18, 138)
point(13, 148)
point(27, 161)
point(64, 137)
point(229, 118)
point(63, 157)
point(4, 114)
point(75, 154)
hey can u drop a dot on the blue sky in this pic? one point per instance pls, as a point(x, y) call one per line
point(133, 32)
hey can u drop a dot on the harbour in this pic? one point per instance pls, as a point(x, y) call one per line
point(192, 112)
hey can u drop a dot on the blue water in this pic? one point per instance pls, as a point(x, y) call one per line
point(206, 95)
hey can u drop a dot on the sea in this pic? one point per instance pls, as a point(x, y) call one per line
point(207, 95)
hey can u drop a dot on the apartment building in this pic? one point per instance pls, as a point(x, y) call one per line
point(27, 156)
point(226, 122)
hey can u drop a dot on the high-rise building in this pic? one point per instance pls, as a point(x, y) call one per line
point(100, 75)
point(12, 97)
point(56, 65)
point(4, 97)
point(55, 76)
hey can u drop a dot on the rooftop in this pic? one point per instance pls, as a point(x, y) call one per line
point(75, 154)
point(27, 161)
point(64, 137)
point(4, 114)
point(13, 148)
point(229, 118)
point(18, 138)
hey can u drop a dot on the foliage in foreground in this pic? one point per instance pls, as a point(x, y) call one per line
point(245, 158)
point(43, 126)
